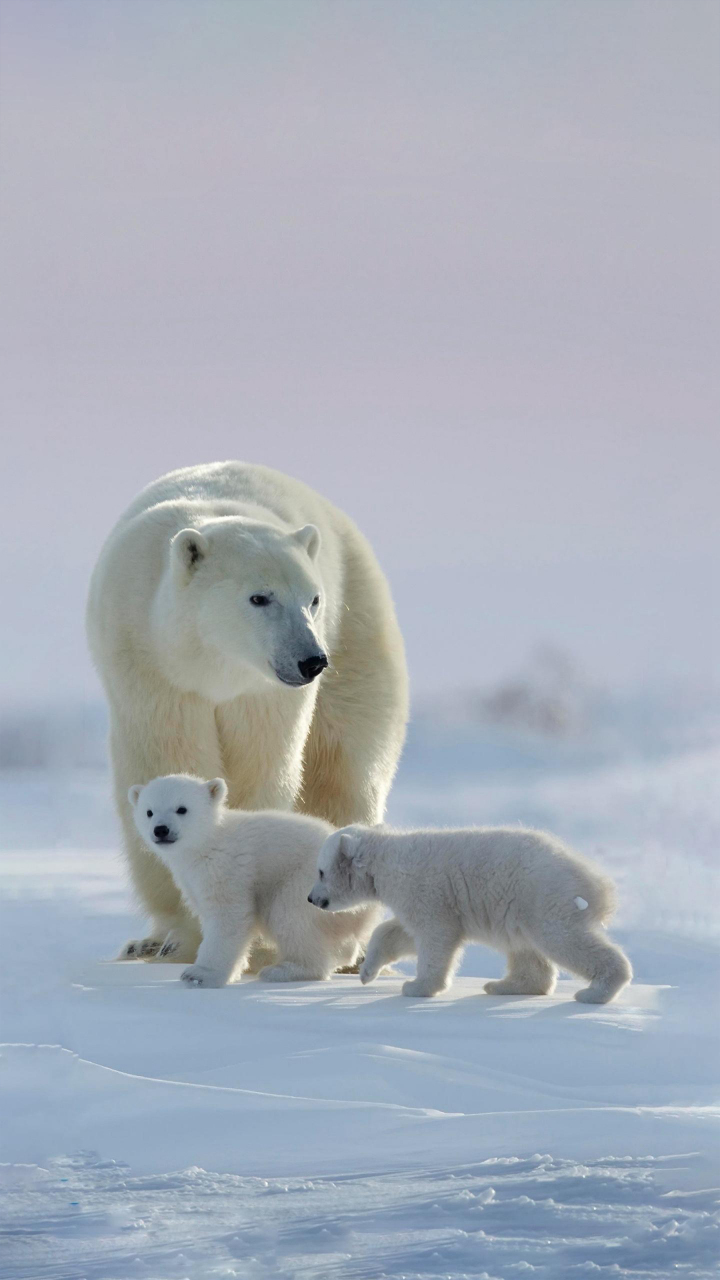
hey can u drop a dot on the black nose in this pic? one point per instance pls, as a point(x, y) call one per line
point(309, 668)
point(161, 832)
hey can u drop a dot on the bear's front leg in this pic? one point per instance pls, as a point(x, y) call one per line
point(171, 940)
point(226, 939)
point(140, 948)
point(180, 944)
point(389, 942)
point(438, 953)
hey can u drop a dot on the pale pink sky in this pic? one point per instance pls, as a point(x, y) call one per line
point(454, 263)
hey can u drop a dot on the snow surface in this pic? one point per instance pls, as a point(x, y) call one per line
point(330, 1129)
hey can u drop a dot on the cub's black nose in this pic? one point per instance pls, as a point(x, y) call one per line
point(311, 667)
point(161, 832)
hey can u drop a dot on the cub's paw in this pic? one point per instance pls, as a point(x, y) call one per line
point(596, 993)
point(140, 949)
point(199, 976)
point(516, 987)
point(417, 988)
point(368, 972)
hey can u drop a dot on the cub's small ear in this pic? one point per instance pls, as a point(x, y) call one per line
point(350, 847)
point(218, 790)
point(309, 539)
point(134, 793)
point(187, 549)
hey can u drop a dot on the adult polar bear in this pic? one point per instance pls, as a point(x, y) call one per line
point(217, 601)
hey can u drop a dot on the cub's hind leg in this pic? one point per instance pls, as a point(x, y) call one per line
point(528, 974)
point(589, 953)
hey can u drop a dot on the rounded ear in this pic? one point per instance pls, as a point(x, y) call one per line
point(134, 793)
point(187, 549)
point(218, 790)
point(309, 539)
point(350, 846)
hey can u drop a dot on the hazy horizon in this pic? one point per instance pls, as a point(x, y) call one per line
point(454, 265)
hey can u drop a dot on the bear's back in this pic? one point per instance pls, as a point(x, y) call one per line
point(244, 485)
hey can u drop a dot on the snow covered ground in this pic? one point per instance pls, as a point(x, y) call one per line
point(329, 1129)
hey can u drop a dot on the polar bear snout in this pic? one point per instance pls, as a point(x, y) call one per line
point(311, 667)
point(318, 899)
point(163, 834)
point(297, 674)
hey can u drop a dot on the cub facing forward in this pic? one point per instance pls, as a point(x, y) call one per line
point(244, 875)
point(520, 891)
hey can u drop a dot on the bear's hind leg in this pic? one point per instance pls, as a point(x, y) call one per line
point(590, 954)
point(528, 974)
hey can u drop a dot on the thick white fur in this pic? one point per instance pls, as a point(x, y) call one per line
point(520, 891)
point(192, 670)
point(245, 876)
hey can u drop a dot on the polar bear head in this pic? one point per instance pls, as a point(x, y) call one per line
point(177, 810)
point(242, 603)
point(344, 878)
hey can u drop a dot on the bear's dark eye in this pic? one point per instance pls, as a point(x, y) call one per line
point(260, 601)
point(149, 813)
point(182, 809)
point(321, 875)
point(316, 602)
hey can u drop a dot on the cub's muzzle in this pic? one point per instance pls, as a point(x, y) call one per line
point(163, 834)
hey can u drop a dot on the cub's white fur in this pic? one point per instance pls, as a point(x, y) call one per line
point(520, 891)
point(246, 875)
point(201, 680)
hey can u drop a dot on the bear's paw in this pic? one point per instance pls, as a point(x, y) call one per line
point(140, 949)
point(197, 975)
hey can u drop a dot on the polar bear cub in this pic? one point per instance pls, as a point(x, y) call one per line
point(520, 891)
point(246, 874)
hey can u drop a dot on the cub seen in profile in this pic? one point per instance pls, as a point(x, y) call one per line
point(520, 891)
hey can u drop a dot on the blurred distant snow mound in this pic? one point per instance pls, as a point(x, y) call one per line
point(549, 697)
point(553, 716)
point(72, 736)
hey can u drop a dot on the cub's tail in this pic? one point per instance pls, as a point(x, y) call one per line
point(596, 894)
